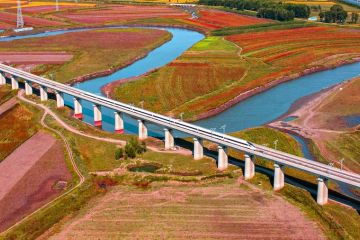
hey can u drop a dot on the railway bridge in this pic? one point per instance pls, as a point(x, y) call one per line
point(251, 151)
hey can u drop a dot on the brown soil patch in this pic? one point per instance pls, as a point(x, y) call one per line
point(28, 175)
point(190, 212)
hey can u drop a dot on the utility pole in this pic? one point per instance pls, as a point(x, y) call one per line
point(223, 128)
point(20, 19)
point(275, 143)
point(341, 163)
point(181, 116)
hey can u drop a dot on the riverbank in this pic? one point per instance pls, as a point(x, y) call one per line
point(220, 78)
point(268, 86)
point(320, 118)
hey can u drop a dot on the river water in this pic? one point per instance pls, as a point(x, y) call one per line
point(254, 111)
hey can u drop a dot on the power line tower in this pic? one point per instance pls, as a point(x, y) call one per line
point(20, 19)
point(57, 5)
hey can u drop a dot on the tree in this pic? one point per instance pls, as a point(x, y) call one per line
point(336, 14)
point(354, 17)
point(321, 16)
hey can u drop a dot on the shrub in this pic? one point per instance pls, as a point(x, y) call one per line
point(119, 153)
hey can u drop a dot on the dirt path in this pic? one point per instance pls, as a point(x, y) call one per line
point(103, 139)
point(188, 211)
point(72, 160)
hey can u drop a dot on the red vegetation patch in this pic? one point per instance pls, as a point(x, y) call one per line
point(214, 19)
point(9, 20)
point(188, 64)
point(28, 176)
point(35, 57)
point(123, 13)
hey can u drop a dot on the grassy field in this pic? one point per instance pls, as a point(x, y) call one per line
point(221, 74)
point(6, 93)
point(16, 126)
point(93, 51)
point(203, 67)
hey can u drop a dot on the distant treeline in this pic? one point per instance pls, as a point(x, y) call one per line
point(264, 8)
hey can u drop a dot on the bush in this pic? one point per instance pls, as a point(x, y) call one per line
point(133, 147)
point(119, 153)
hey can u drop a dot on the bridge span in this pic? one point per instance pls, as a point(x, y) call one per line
point(224, 141)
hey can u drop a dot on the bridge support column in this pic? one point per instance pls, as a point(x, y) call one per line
point(77, 109)
point(249, 171)
point(97, 115)
point(322, 192)
point(222, 158)
point(143, 132)
point(279, 179)
point(28, 88)
point(169, 139)
point(59, 99)
point(14, 83)
point(198, 149)
point(119, 122)
point(43, 94)
point(2, 78)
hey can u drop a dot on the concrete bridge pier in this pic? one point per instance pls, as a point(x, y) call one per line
point(77, 109)
point(279, 179)
point(97, 116)
point(119, 122)
point(169, 139)
point(323, 191)
point(28, 88)
point(198, 148)
point(249, 171)
point(143, 131)
point(43, 94)
point(222, 158)
point(59, 99)
point(2, 78)
point(14, 83)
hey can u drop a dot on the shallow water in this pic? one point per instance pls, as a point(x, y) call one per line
point(352, 121)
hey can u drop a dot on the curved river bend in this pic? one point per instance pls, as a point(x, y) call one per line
point(254, 111)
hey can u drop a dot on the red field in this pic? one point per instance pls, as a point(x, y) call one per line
point(122, 13)
point(35, 57)
point(214, 19)
point(9, 20)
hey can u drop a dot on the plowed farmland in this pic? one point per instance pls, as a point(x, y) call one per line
point(196, 212)
point(216, 74)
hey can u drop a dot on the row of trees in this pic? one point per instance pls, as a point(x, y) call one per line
point(265, 8)
point(131, 149)
point(337, 14)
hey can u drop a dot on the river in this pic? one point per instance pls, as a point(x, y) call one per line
point(254, 111)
